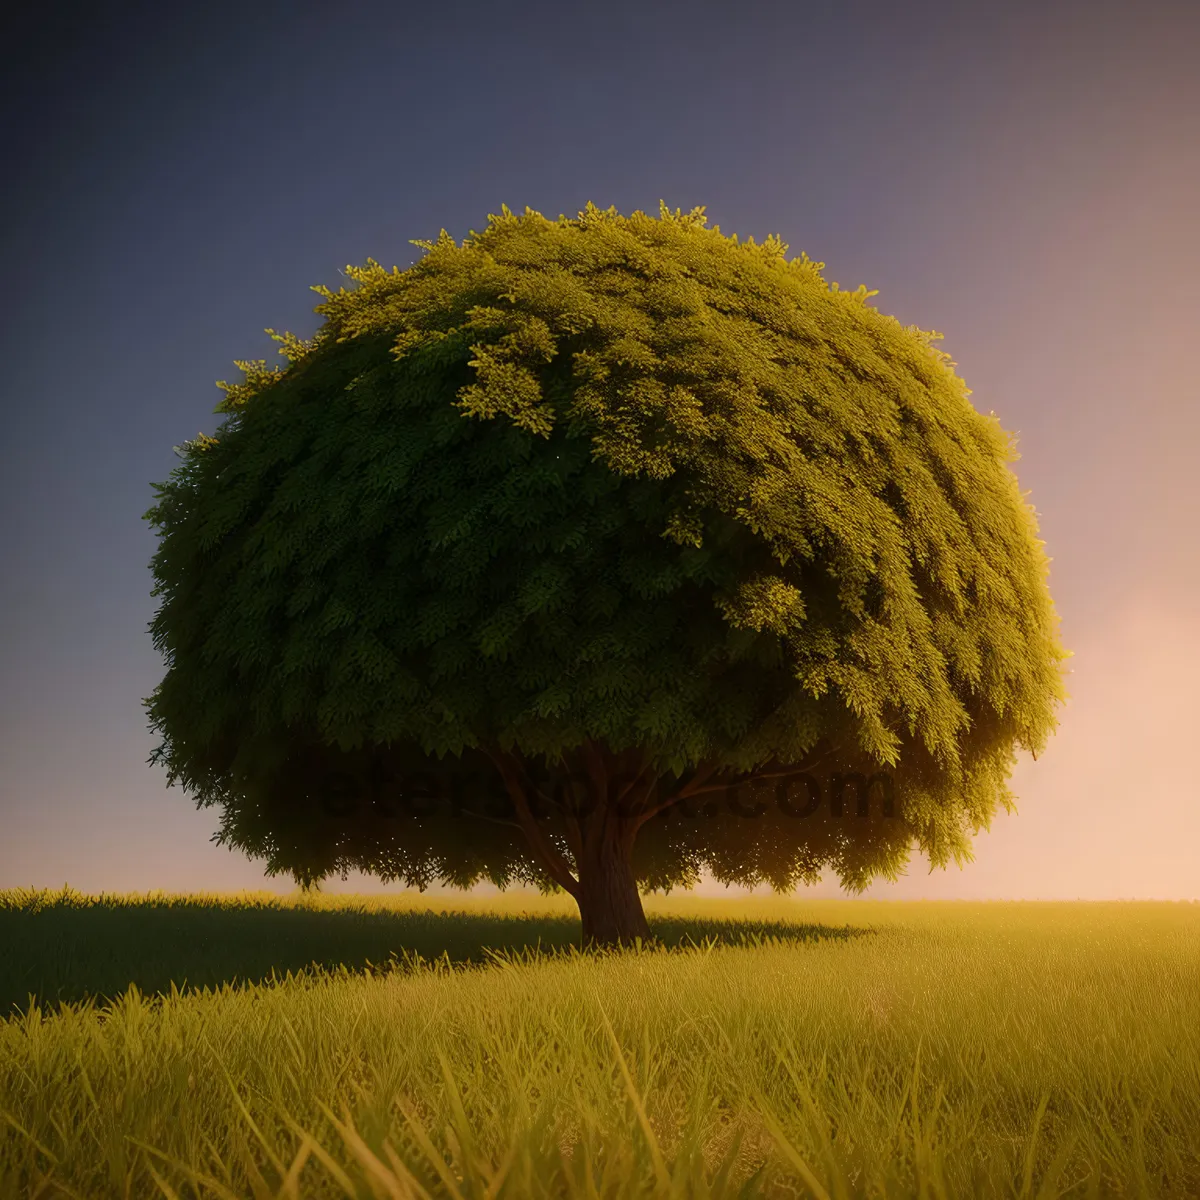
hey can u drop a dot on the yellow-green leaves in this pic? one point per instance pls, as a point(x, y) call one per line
point(764, 602)
point(620, 478)
point(507, 387)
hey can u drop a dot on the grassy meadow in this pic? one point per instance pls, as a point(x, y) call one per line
point(417, 1046)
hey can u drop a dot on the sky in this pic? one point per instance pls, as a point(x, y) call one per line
point(1021, 177)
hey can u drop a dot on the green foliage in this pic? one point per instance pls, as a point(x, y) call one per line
point(618, 479)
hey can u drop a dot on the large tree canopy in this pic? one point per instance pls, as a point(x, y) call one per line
point(617, 501)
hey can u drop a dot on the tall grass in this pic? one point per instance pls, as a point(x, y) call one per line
point(67, 946)
point(891, 1050)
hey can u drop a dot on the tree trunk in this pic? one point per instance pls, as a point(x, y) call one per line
point(603, 883)
point(608, 899)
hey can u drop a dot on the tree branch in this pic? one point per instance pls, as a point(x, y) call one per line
point(516, 779)
point(643, 787)
point(597, 769)
point(574, 836)
point(700, 784)
point(641, 811)
point(478, 816)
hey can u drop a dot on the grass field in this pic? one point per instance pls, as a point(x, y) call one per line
point(412, 1046)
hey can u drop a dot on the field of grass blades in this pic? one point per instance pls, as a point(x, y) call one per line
point(444, 1047)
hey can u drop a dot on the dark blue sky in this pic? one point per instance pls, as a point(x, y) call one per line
point(1023, 177)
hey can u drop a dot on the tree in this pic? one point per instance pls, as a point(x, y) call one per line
point(593, 552)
